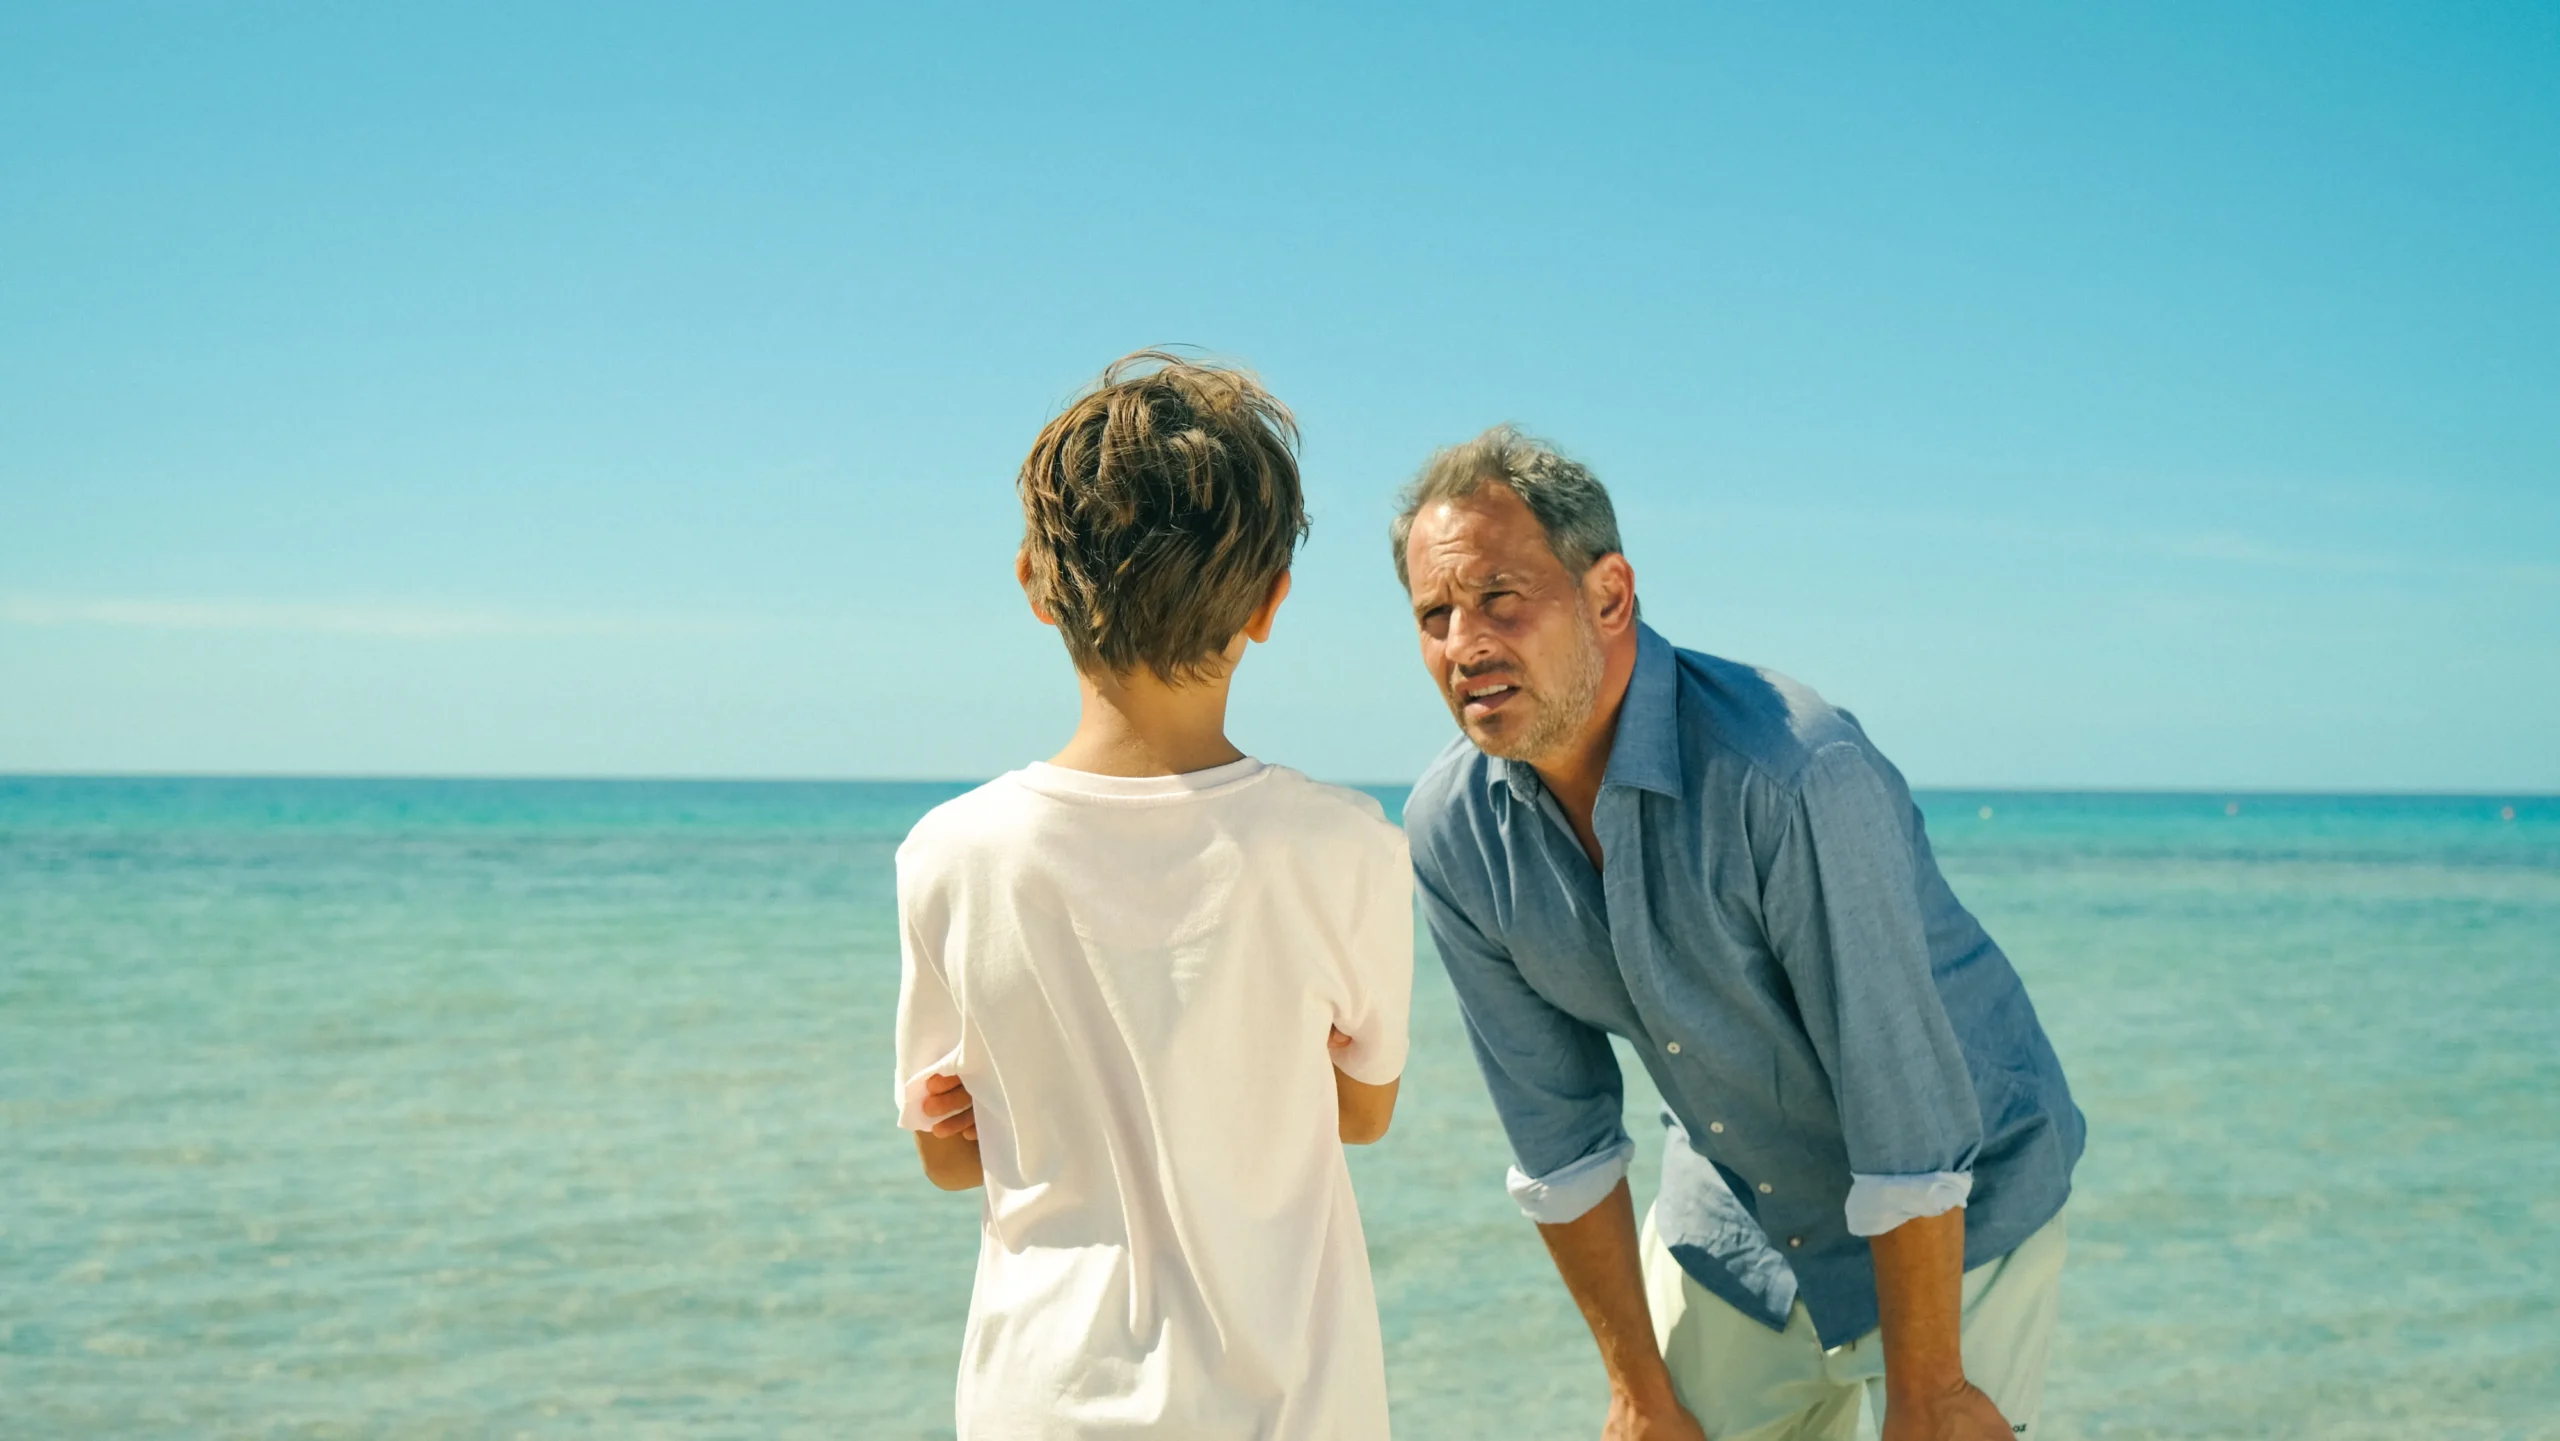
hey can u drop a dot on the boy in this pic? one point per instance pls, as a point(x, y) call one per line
point(1169, 980)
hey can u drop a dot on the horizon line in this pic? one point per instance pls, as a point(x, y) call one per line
point(554, 778)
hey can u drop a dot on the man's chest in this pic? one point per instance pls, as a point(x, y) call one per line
point(1662, 940)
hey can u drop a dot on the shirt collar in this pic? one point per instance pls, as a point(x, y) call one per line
point(1645, 753)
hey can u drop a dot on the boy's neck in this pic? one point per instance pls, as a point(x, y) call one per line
point(1137, 725)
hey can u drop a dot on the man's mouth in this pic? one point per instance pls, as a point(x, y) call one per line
point(1480, 698)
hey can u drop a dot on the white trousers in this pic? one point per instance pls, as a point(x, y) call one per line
point(1745, 1382)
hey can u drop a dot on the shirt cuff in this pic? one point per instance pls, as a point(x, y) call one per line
point(1565, 1193)
point(1372, 1062)
point(1877, 1204)
point(911, 1094)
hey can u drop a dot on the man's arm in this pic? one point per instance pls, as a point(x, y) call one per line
point(1920, 1297)
point(1596, 1254)
point(1841, 904)
point(1555, 1083)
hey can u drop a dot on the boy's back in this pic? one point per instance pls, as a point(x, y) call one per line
point(1134, 977)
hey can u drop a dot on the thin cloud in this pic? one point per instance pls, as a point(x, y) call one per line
point(2232, 548)
point(400, 622)
point(2238, 549)
point(2217, 546)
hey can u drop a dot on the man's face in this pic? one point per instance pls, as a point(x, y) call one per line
point(1505, 631)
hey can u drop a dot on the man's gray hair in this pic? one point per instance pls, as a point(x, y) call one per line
point(1571, 505)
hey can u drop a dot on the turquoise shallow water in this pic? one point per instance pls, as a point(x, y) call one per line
point(480, 1109)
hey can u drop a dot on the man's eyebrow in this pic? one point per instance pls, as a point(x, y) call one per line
point(1493, 580)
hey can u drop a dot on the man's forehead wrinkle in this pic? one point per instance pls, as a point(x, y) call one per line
point(1431, 582)
point(1511, 550)
point(1455, 574)
point(1462, 550)
point(1444, 559)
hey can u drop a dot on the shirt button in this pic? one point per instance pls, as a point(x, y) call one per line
point(1795, 1240)
point(1716, 1126)
point(1673, 1048)
point(1766, 1188)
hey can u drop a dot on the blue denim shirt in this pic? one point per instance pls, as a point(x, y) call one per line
point(1839, 1045)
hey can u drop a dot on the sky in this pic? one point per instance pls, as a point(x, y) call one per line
point(2152, 396)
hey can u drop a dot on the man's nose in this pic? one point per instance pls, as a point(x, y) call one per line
point(1470, 638)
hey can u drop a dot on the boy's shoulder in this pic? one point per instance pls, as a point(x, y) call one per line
point(994, 811)
point(1296, 787)
point(983, 812)
point(1301, 801)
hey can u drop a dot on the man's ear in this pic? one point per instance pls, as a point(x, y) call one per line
point(1022, 574)
point(1609, 587)
point(1259, 627)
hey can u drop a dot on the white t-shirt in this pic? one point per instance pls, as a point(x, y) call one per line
point(1134, 978)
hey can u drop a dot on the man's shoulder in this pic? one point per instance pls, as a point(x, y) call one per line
point(1772, 723)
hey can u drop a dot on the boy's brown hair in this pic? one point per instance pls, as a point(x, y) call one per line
point(1157, 512)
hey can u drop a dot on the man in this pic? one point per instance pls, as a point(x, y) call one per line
point(1870, 1140)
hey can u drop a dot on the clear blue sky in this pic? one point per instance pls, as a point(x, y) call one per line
point(2131, 395)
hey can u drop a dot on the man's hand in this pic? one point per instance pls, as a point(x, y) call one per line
point(1920, 1301)
point(1963, 1414)
point(1667, 1421)
point(1599, 1258)
point(947, 1105)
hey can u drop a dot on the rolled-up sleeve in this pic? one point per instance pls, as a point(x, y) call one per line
point(1554, 1079)
point(1877, 1204)
point(1842, 907)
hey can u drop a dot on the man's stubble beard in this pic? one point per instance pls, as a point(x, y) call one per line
point(1563, 709)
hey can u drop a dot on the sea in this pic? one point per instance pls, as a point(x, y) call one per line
point(486, 1109)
